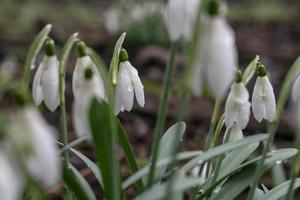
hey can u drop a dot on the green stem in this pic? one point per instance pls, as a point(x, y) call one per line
point(62, 68)
point(221, 158)
point(294, 70)
point(161, 118)
point(294, 170)
point(32, 53)
point(213, 123)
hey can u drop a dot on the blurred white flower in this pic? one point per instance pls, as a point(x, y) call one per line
point(46, 83)
point(263, 99)
point(82, 64)
point(235, 134)
point(129, 84)
point(112, 20)
point(180, 18)
point(34, 141)
point(11, 180)
point(196, 170)
point(237, 108)
point(88, 89)
point(217, 58)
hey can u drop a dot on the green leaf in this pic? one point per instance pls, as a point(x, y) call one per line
point(167, 143)
point(128, 150)
point(238, 182)
point(93, 167)
point(77, 184)
point(104, 129)
point(279, 191)
point(236, 157)
point(145, 170)
point(250, 70)
point(213, 152)
point(114, 64)
point(32, 53)
point(181, 183)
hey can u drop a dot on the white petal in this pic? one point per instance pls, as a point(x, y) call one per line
point(179, 18)
point(235, 134)
point(50, 82)
point(125, 87)
point(221, 56)
point(263, 100)
point(137, 85)
point(237, 107)
point(37, 93)
point(37, 145)
point(11, 181)
point(296, 89)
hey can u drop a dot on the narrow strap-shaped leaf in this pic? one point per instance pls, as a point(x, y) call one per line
point(114, 65)
point(279, 191)
point(32, 53)
point(128, 150)
point(164, 162)
point(237, 183)
point(77, 184)
point(104, 128)
point(93, 167)
point(250, 70)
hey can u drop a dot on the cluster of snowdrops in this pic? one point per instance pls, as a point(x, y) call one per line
point(32, 159)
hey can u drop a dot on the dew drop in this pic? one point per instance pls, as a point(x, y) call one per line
point(278, 162)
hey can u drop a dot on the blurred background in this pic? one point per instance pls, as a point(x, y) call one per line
point(268, 28)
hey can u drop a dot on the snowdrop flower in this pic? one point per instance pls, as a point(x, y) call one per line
point(217, 56)
point(180, 18)
point(263, 99)
point(11, 180)
point(237, 107)
point(196, 170)
point(129, 85)
point(83, 62)
point(87, 91)
point(235, 134)
point(46, 80)
point(34, 141)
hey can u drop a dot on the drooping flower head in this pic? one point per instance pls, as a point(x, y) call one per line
point(216, 60)
point(237, 107)
point(180, 18)
point(263, 98)
point(129, 85)
point(88, 90)
point(34, 141)
point(83, 62)
point(46, 80)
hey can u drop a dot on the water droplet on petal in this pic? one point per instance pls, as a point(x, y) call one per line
point(278, 162)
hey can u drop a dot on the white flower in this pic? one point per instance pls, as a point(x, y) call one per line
point(235, 134)
point(46, 83)
point(11, 180)
point(129, 84)
point(196, 170)
point(180, 18)
point(34, 140)
point(89, 88)
point(82, 64)
point(237, 108)
point(263, 100)
point(217, 58)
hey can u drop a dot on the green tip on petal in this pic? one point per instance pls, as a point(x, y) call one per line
point(50, 47)
point(81, 49)
point(239, 76)
point(88, 73)
point(123, 56)
point(261, 70)
point(213, 7)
